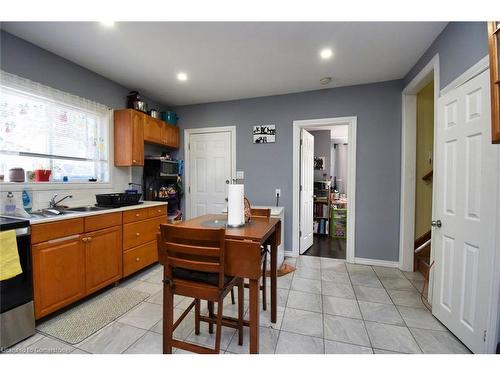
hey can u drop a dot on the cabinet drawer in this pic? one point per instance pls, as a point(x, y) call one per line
point(102, 221)
point(157, 211)
point(135, 234)
point(135, 215)
point(139, 257)
point(58, 229)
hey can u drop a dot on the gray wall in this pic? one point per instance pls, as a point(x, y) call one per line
point(269, 166)
point(322, 147)
point(27, 60)
point(460, 45)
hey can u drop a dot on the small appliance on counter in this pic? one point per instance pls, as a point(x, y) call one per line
point(134, 101)
point(116, 200)
point(17, 316)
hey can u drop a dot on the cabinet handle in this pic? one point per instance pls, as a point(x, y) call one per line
point(85, 239)
point(134, 161)
point(89, 239)
point(159, 211)
point(137, 259)
point(137, 215)
point(137, 234)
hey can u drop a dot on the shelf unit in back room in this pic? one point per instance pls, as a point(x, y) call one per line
point(321, 208)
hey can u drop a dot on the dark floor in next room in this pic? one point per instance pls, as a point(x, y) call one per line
point(327, 247)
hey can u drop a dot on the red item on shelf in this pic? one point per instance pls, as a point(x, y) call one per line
point(42, 175)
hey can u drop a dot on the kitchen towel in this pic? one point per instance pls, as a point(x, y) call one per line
point(9, 256)
point(235, 205)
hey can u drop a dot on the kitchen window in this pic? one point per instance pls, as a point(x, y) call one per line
point(46, 129)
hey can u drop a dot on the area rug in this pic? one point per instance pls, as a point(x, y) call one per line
point(75, 325)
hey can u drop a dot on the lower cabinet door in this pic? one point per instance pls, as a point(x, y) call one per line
point(103, 258)
point(58, 273)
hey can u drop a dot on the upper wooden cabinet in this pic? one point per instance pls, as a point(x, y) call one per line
point(129, 137)
point(494, 47)
point(133, 128)
point(154, 130)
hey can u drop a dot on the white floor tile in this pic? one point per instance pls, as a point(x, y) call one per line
point(306, 285)
point(144, 316)
point(303, 322)
point(335, 347)
point(420, 318)
point(341, 306)
point(390, 337)
point(379, 312)
point(438, 342)
point(150, 343)
point(112, 339)
point(292, 343)
point(304, 301)
point(370, 294)
point(268, 338)
point(351, 331)
point(329, 288)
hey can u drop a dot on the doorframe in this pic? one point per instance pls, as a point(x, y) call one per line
point(298, 125)
point(187, 140)
point(408, 160)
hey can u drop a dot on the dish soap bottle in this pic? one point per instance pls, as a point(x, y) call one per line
point(10, 204)
point(27, 200)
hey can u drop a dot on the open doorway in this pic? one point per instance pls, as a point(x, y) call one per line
point(330, 200)
point(324, 187)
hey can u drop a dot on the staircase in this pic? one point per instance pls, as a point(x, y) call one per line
point(422, 260)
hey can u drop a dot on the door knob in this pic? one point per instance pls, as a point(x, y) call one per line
point(436, 223)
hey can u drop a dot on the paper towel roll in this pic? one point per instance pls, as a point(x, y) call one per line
point(235, 205)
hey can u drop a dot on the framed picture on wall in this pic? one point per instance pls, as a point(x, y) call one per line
point(319, 163)
point(264, 133)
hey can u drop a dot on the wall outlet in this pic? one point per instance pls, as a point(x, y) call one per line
point(240, 175)
point(278, 192)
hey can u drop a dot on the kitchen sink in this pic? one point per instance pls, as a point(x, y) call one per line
point(86, 209)
point(48, 212)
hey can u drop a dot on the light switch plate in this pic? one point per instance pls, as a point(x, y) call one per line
point(240, 175)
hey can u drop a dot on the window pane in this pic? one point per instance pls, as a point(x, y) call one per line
point(36, 125)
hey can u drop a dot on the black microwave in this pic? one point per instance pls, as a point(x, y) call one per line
point(165, 168)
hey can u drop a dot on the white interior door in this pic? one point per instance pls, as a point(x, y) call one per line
point(210, 165)
point(306, 190)
point(465, 202)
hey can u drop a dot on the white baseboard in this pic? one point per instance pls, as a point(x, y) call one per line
point(376, 262)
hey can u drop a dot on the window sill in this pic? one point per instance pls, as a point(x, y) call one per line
point(43, 186)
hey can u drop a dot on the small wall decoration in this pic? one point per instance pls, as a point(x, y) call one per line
point(264, 134)
point(319, 163)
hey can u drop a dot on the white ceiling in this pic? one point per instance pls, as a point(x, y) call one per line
point(227, 61)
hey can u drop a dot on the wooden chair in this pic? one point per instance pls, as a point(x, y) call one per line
point(259, 212)
point(193, 261)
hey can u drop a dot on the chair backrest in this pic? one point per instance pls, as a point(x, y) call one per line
point(194, 249)
point(260, 212)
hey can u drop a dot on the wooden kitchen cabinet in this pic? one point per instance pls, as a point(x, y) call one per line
point(58, 273)
point(154, 130)
point(103, 258)
point(129, 137)
point(494, 49)
point(171, 136)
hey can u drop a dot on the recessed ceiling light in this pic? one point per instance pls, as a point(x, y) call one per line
point(182, 76)
point(325, 80)
point(326, 53)
point(108, 23)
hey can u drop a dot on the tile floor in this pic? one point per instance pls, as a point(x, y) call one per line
point(325, 306)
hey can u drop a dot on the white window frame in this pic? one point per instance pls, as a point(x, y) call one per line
point(48, 93)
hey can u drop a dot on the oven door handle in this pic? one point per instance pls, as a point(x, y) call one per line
point(21, 232)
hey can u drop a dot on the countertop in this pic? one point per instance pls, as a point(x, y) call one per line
point(145, 204)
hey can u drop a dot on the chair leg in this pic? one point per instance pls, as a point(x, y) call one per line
point(218, 329)
point(232, 296)
point(240, 312)
point(197, 317)
point(211, 315)
point(264, 283)
point(168, 318)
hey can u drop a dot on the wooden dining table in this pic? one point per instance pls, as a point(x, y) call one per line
point(243, 259)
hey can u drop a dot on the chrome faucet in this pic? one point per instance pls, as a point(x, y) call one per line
point(53, 203)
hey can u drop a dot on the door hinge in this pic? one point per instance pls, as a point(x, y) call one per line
point(301, 142)
point(189, 146)
point(300, 187)
point(484, 335)
point(189, 189)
